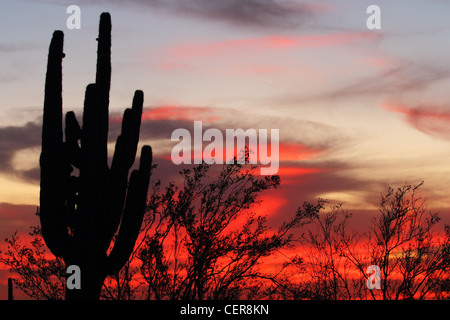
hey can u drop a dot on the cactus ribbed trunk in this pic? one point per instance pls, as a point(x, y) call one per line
point(81, 214)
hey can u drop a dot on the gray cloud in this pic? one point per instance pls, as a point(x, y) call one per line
point(248, 13)
point(16, 47)
point(403, 78)
point(157, 128)
point(409, 77)
point(257, 13)
point(14, 139)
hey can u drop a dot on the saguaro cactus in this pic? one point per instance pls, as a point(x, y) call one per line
point(80, 215)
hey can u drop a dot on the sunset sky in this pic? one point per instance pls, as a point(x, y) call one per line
point(358, 110)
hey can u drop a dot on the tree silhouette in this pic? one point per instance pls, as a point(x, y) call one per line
point(81, 214)
point(216, 243)
point(328, 270)
point(42, 276)
point(208, 243)
point(39, 277)
point(200, 240)
point(413, 257)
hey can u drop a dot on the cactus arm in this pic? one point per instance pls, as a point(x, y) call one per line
point(72, 155)
point(93, 173)
point(103, 73)
point(133, 213)
point(125, 151)
point(89, 142)
point(138, 101)
point(73, 134)
point(123, 159)
point(53, 169)
point(126, 148)
point(103, 83)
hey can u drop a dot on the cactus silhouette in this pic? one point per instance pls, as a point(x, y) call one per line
point(81, 215)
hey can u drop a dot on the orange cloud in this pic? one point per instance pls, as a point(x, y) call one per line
point(171, 112)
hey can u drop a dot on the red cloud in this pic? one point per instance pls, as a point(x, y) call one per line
point(433, 120)
point(290, 151)
point(298, 171)
point(269, 42)
point(174, 112)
